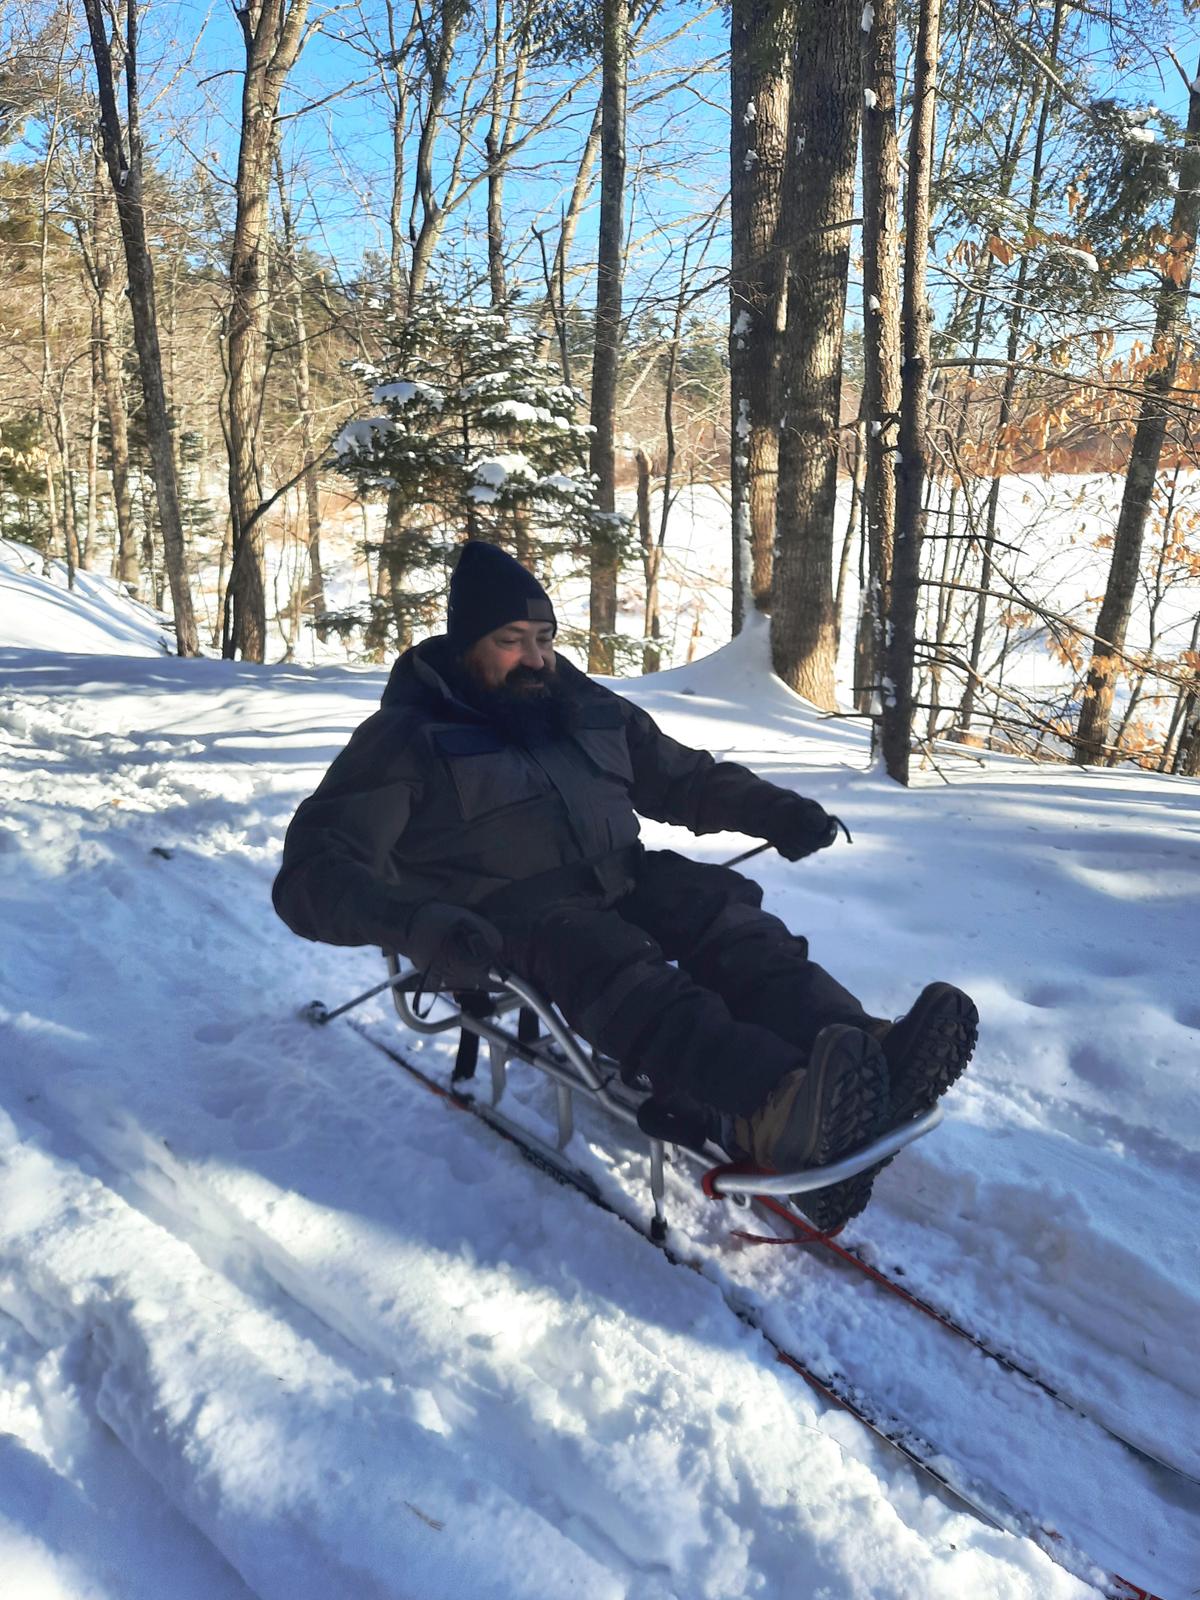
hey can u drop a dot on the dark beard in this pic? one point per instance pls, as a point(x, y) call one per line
point(519, 714)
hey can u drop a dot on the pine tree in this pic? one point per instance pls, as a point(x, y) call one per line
point(479, 440)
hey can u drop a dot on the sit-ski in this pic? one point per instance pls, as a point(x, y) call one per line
point(544, 1041)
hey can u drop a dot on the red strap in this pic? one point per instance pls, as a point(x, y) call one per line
point(731, 1169)
point(802, 1232)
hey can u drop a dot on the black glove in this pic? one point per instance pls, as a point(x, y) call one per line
point(453, 947)
point(798, 827)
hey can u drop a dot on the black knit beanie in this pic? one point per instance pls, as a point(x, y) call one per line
point(487, 589)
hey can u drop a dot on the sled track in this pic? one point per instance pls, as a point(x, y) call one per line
point(981, 1500)
point(149, 1177)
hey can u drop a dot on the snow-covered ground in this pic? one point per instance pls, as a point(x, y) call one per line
point(275, 1322)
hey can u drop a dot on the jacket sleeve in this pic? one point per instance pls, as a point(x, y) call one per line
point(673, 783)
point(335, 882)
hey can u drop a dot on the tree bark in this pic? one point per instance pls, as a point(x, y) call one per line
point(87, 553)
point(651, 560)
point(1170, 331)
point(59, 502)
point(272, 32)
point(607, 351)
point(554, 315)
point(1186, 760)
point(127, 570)
point(912, 470)
point(125, 174)
point(881, 329)
point(494, 142)
point(438, 52)
point(313, 591)
point(815, 235)
point(761, 34)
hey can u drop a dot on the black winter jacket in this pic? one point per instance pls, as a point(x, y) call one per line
point(429, 802)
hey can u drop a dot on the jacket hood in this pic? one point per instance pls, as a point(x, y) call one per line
point(422, 677)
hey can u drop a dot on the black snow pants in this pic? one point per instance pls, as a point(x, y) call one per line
point(739, 1010)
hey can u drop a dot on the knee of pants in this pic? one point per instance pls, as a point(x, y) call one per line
point(743, 946)
point(578, 952)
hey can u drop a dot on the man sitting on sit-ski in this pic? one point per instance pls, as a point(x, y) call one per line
point(487, 817)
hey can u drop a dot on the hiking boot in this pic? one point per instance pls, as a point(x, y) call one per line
point(927, 1049)
point(818, 1114)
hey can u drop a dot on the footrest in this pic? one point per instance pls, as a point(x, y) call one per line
point(735, 1180)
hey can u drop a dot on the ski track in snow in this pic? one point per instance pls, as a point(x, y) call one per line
point(274, 1316)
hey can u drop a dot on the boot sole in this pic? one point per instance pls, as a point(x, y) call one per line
point(853, 1091)
point(945, 1032)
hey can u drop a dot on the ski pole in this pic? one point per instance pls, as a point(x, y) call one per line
point(759, 848)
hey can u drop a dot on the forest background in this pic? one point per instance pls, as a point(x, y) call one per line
point(297, 297)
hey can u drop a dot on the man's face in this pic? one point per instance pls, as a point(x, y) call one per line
point(517, 657)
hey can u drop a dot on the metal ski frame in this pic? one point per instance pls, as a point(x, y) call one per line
point(543, 1040)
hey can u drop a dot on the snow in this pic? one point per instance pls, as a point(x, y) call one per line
point(40, 610)
point(404, 391)
point(1084, 257)
point(279, 1324)
point(358, 437)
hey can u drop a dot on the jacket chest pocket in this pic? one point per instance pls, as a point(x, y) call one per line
point(487, 774)
point(607, 749)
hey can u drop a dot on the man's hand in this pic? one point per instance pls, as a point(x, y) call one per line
point(454, 948)
point(798, 827)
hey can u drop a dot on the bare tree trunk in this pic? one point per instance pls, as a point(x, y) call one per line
point(438, 53)
point(881, 327)
point(1170, 332)
point(651, 560)
point(62, 432)
point(127, 569)
point(87, 554)
point(494, 142)
point(610, 263)
point(900, 644)
point(313, 591)
point(57, 487)
point(125, 173)
point(815, 233)
point(554, 315)
point(853, 521)
point(1185, 718)
point(1016, 326)
point(396, 87)
point(272, 33)
point(761, 34)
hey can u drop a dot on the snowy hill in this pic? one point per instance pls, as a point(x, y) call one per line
point(273, 1322)
point(42, 611)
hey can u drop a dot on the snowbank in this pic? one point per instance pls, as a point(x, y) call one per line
point(39, 611)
